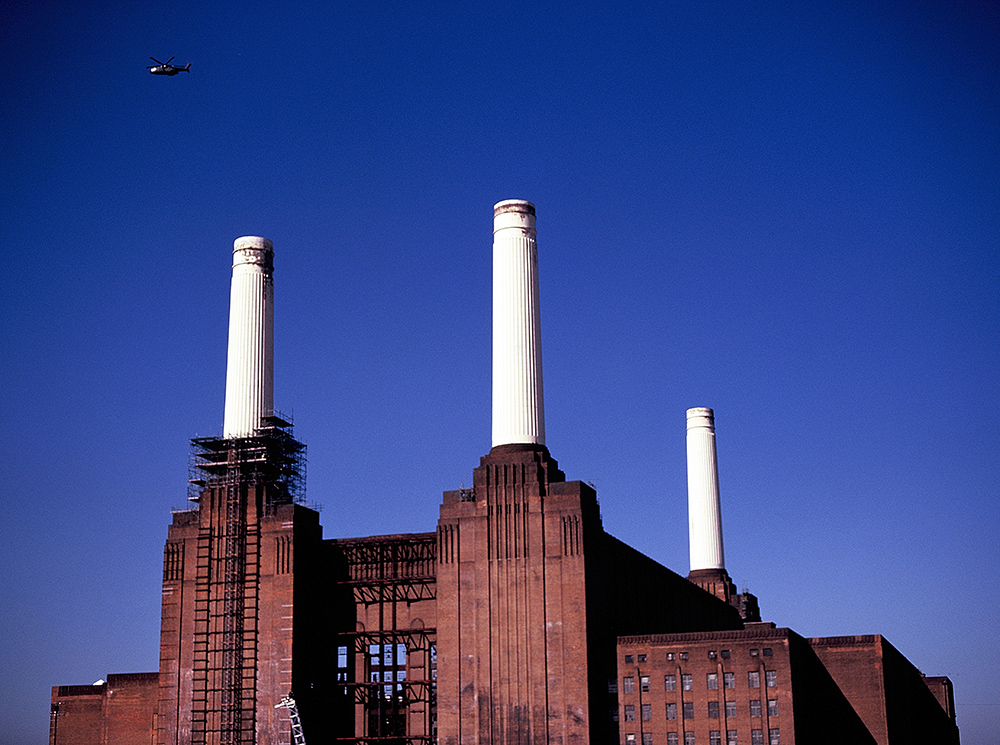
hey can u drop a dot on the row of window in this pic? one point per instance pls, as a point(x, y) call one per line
point(712, 654)
point(383, 660)
point(687, 710)
point(714, 738)
point(687, 681)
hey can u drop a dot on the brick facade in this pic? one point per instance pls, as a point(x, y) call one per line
point(769, 686)
point(119, 711)
point(520, 621)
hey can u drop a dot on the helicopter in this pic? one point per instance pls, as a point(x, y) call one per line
point(165, 68)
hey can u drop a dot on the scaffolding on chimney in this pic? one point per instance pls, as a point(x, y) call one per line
point(243, 478)
point(271, 455)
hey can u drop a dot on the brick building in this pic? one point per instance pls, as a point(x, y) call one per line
point(769, 686)
point(518, 621)
point(121, 709)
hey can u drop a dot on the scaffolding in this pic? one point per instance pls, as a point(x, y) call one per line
point(242, 479)
point(271, 455)
point(395, 697)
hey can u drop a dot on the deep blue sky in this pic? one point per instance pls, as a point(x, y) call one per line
point(787, 211)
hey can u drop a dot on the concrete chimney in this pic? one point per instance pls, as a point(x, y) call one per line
point(518, 410)
point(704, 511)
point(250, 367)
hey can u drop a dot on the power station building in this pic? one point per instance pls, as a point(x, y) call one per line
point(517, 621)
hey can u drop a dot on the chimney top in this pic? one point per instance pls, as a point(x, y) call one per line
point(700, 416)
point(253, 242)
point(513, 205)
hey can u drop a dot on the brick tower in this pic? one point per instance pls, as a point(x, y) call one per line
point(237, 570)
point(512, 626)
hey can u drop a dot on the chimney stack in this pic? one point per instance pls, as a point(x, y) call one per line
point(250, 367)
point(704, 510)
point(518, 410)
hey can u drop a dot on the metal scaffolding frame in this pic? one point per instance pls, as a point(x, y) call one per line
point(387, 571)
point(271, 455)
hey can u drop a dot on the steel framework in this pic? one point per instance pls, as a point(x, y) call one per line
point(385, 572)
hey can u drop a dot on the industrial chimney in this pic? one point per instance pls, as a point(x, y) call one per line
point(518, 410)
point(704, 510)
point(250, 367)
point(708, 565)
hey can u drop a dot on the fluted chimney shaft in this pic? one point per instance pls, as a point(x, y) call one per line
point(518, 410)
point(250, 367)
point(704, 511)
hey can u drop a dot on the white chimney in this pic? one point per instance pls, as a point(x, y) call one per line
point(704, 511)
point(250, 367)
point(518, 411)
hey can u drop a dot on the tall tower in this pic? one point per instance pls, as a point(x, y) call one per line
point(518, 404)
point(236, 568)
point(708, 564)
point(704, 509)
point(512, 610)
point(250, 365)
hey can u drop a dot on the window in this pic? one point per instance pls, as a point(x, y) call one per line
point(755, 707)
point(754, 652)
point(689, 709)
point(644, 683)
point(387, 664)
point(714, 737)
point(729, 680)
point(642, 658)
point(713, 709)
point(767, 651)
point(771, 677)
point(712, 654)
point(725, 654)
point(341, 664)
point(670, 656)
point(630, 738)
point(630, 713)
point(773, 737)
point(772, 707)
point(670, 682)
point(647, 738)
point(689, 738)
point(647, 712)
point(730, 709)
point(753, 679)
point(731, 737)
point(628, 684)
point(613, 685)
point(671, 711)
point(686, 681)
point(628, 658)
point(712, 681)
point(613, 713)
point(671, 738)
point(756, 737)
point(684, 655)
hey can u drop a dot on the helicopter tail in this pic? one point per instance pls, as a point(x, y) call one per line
point(187, 67)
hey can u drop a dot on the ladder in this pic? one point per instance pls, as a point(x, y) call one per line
point(288, 702)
